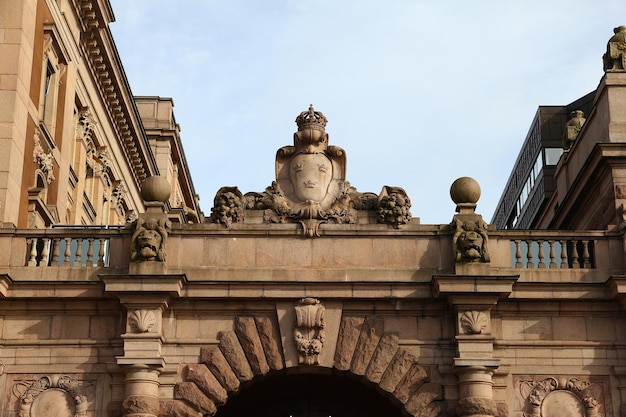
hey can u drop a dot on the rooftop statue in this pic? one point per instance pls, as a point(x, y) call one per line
point(615, 56)
point(311, 187)
point(572, 128)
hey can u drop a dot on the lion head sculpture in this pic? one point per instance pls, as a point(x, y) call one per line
point(148, 241)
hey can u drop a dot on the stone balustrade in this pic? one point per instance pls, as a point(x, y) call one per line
point(375, 249)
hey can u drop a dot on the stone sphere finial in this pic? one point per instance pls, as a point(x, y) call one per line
point(156, 188)
point(465, 190)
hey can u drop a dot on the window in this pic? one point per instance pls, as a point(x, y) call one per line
point(553, 155)
point(49, 92)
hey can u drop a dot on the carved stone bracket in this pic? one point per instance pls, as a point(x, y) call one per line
point(309, 330)
point(552, 395)
point(49, 393)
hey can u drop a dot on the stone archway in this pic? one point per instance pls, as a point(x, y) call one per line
point(254, 351)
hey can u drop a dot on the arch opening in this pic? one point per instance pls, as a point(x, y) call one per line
point(310, 395)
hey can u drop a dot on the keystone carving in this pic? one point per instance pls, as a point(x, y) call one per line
point(148, 241)
point(554, 395)
point(141, 321)
point(615, 57)
point(58, 390)
point(470, 241)
point(474, 322)
point(309, 331)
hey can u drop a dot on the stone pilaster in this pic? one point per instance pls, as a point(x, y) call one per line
point(473, 298)
point(145, 298)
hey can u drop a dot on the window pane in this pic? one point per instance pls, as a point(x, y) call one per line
point(553, 155)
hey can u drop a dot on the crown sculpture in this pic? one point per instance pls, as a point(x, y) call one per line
point(311, 187)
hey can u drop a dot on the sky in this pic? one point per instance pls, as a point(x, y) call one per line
point(417, 92)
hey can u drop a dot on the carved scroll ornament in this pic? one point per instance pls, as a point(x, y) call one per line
point(309, 330)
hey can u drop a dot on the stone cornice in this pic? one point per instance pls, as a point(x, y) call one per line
point(108, 74)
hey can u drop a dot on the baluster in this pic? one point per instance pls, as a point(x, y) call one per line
point(586, 261)
point(55, 251)
point(542, 263)
point(33, 252)
point(563, 254)
point(518, 254)
point(90, 252)
point(78, 261)
point(552, 254)
point(68, 251)
point(575, 264)
point(45, 252)
point(101, 251)
point(529, 255)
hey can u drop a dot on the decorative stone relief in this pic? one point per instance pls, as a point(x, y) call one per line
point(615, 57)
point(148, 241)
point(309, 331)
point(474, 322)
point(560, 396)
point(141, 321)
point(43, 159)
point(51, 395)
point(572, 128)
point(470, 241)
point(393, 206)
point(228, 206)
point(103, 158)
point(85, 125)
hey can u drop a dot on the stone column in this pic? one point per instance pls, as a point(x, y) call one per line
point(472, 298)
point(145, 298)
point(141, 391)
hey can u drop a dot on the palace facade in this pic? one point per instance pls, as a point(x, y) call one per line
point(118, 297)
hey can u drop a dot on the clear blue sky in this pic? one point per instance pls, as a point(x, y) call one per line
point(418, 93)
